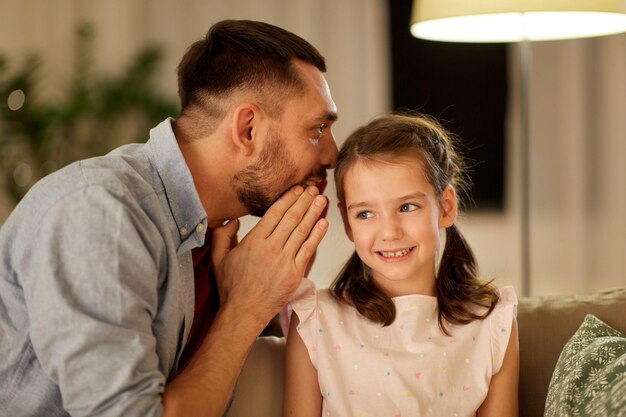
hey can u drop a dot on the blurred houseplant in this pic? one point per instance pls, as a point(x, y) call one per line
point(97, 114)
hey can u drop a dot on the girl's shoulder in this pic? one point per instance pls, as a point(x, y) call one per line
point(307, 299)
point(319, 307)
point(304, 300)
point(507, 300)
point(501, 325)
point(508, 296)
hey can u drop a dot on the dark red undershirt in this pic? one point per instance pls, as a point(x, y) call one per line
point(207, 300)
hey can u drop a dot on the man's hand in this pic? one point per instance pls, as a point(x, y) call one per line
point(261, 273)
point(255, 279)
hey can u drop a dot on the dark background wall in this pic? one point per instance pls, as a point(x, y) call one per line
point(464, 86)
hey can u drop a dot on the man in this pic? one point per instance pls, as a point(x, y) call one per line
point(107, 303)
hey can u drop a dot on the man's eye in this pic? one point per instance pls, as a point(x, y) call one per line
point(320, 130)
point(320, 133)
point(364, 214)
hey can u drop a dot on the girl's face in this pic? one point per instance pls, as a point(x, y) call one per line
point(393, 217)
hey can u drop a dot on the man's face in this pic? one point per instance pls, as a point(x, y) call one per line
point(299, 148)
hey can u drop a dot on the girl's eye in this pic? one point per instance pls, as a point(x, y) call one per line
point(408, 207)
point(364, 215)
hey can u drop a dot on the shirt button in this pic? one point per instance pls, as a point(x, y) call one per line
point(200, 228)
point(183, 231)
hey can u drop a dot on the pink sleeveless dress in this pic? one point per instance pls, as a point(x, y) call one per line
point(410, 368)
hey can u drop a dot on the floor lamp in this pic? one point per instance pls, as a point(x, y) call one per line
point(521, 21)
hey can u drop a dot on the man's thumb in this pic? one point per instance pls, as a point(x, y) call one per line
point(223, 238)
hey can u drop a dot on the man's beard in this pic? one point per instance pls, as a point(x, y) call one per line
point(259, 185)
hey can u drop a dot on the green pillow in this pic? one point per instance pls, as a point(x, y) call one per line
point(590, 375)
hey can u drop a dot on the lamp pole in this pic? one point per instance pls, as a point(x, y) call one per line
point(525, 68)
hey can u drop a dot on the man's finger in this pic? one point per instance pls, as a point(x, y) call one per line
point(224, 238)
point(308, 248)
point(274, 215)
point(301, 232)
point(292, 221)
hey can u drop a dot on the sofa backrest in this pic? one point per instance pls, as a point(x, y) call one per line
point(545, 324)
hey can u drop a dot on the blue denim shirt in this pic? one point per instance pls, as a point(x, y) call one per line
point(96, 284)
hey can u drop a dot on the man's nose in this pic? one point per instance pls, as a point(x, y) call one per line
point(328, 154)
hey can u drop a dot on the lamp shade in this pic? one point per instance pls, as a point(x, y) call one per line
point(516, 20)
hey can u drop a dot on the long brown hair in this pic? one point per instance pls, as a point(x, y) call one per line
point(459, 290)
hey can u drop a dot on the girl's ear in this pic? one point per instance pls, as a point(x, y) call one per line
point(449, 207)
point(346, 224)
point(246, 118)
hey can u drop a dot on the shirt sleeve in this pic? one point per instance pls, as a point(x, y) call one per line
point(304, 305)
point(501, 320)
point(92, 294)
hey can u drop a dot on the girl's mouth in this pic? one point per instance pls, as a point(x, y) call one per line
point(397, 254)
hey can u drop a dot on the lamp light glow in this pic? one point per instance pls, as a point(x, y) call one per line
point(514, 21)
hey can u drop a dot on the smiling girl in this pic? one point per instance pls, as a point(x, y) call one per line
point(402, 332)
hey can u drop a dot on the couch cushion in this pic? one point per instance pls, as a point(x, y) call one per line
point(590, 375)
point(545, 324)
point(259, 390)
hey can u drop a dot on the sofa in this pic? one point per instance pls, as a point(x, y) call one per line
point(545, 323)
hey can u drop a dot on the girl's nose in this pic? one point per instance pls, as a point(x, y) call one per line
point(391, 229)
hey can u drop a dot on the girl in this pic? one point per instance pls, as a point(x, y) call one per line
point(395, 335)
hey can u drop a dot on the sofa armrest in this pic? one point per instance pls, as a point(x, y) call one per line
point(259, 390)
point(545, 324)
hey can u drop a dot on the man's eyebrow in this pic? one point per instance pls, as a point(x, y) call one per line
point(321, 118)
point(330, 116)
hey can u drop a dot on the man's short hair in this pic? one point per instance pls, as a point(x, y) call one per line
point(240, 55)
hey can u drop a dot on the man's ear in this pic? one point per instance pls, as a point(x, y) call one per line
point(448, 208)
point(346, 224)
point(246, 117)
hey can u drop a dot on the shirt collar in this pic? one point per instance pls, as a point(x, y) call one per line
point(180, 191)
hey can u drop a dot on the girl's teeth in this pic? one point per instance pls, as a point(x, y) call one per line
point(396, 254)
